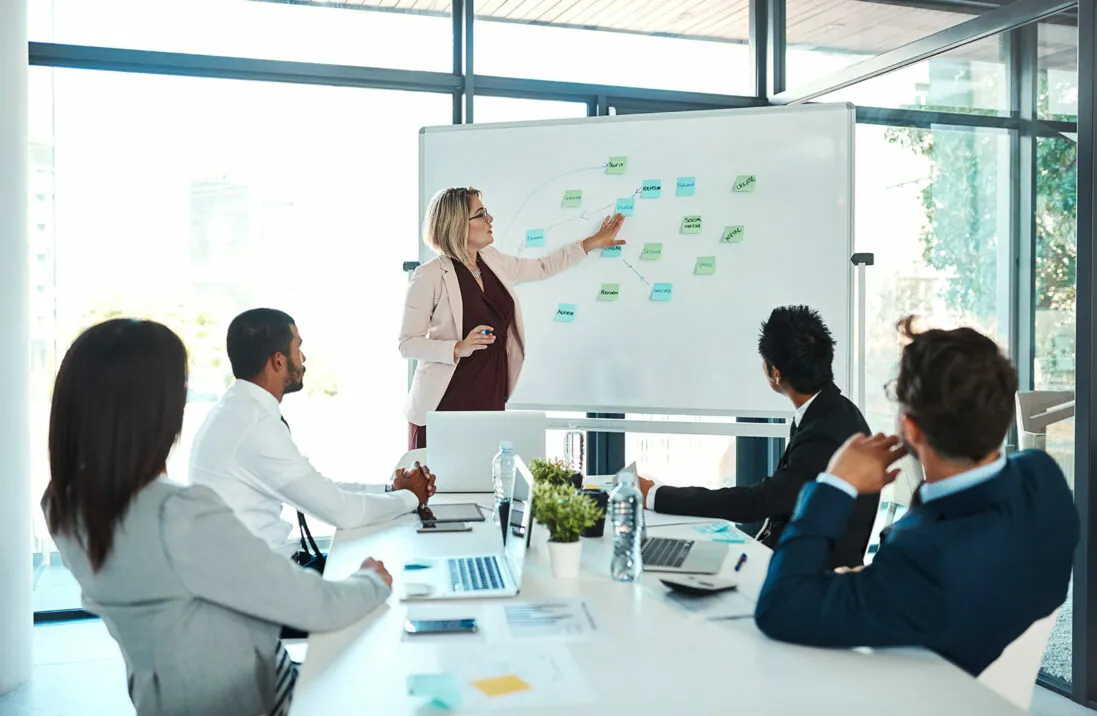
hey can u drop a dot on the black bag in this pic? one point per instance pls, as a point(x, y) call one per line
point(314, 560)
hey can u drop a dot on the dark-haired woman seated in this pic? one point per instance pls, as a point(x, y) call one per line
point(194, 599)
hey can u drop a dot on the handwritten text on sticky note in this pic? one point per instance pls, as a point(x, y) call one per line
point(691, 224)
point(661, 292)
point(565, 313)
point(609, 292)
point(535, 237)
point(573, 198)
point(626, 207)
point(705, 266)
point(733, 234)
point(685, 186)
point(651, 189)
point(617, 165)
point(746, 183)
point(611, 251)
point(651, 252)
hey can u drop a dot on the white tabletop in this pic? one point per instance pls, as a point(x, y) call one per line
point(646, 657)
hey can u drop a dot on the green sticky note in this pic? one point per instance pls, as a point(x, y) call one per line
point(651, 252)
point(746, 183)
point(705, 266)
point(535, 237)
point(565, 313)
point(443, 691)
point(609, 292)
point(651, 189)
point(691, 224)
point(661, 292)
point(573, 198)
point(617, 165)
point(733, 234)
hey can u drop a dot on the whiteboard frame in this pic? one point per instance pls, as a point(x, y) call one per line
point(855, 352)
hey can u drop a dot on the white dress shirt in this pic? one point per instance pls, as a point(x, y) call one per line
point(245, 454)
point(799, 418)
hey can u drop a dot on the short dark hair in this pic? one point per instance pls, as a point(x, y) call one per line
point(958, 387)
point(117, 410)
point(256, 335)
point(796, 342)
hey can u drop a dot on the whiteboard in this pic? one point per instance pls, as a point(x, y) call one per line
point(696, 353)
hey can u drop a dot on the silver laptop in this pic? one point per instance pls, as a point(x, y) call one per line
point(480, 575)
point(461, 446)
point(664, 554)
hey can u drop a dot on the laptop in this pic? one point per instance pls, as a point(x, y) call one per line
point(480, 576)
point(686, 556)
point(461, 445)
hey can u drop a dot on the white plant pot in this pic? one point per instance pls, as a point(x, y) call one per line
point(565, 558)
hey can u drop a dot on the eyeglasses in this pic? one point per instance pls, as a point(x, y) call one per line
point(482, 215)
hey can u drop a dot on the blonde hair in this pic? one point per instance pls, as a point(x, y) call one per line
point(446, 225)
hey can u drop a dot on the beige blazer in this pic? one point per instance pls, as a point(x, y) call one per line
point(433, 320)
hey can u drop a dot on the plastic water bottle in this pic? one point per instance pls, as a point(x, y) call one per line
point(574, 449)
point(502, 476)
point(626, 511)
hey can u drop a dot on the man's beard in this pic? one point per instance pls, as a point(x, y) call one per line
point(296, 379)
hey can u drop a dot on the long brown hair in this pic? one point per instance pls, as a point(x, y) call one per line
point(117, 410)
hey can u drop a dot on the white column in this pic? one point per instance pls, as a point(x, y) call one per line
point(16, 612)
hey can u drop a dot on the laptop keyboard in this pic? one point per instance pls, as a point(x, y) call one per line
point(475, 574)
point(664, 552)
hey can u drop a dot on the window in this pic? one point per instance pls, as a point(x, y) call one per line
point(648, 43)
point(372, 34)
point(933, 205)
point(299, 197)
point(1058, 67)
point(508, 109)
point(970, 79)
point(704, 460)
point(826, 36)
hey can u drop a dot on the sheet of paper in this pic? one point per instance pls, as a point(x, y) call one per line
point(651, 252)
point(662, 292)
point(609, 292)
point(691, 224)
point(685, 186)
point(651, 189)
point(705, 266)
point(535, 237)
point(565, 313)
point(617, 165)
point(746, 183)
point(441, 691)
point(626, 207)
point(733, 234)
point(551, 620)
point(611, 252)
point(553, 678)
point(573, 198)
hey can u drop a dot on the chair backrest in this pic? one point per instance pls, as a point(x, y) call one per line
point(411, 457)
point(1013, 674)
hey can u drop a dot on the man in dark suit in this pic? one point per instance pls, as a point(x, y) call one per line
point(797, 355)
point(986, 553)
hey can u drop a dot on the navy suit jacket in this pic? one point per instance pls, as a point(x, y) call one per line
point(963, 575)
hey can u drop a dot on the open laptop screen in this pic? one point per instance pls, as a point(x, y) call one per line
point(520, 516)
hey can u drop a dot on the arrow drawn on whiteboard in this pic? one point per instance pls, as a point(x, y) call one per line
point(506, 232)
point(638, 274)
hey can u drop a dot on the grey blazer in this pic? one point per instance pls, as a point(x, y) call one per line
point(195, 601)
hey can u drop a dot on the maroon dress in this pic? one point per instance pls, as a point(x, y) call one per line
point(479, 382)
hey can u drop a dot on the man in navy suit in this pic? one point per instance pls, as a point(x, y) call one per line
point(986, 553)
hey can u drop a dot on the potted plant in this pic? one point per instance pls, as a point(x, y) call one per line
point(565, 513)
point(554, 472)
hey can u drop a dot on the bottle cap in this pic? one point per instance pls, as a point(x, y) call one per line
point(506, 445)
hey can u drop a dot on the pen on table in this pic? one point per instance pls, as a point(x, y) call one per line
point(742, 560)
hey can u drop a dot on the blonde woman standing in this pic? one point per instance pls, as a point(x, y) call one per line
point(462, 321)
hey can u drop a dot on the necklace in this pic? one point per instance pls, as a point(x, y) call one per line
point(475, 272)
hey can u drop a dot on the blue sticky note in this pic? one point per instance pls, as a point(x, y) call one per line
point(611, 251)
point(625, 207)
point(443, 691)
point(535, 237)
point(651, 189)
point(565, 313)
point(661, 292)
point(686, 186)
point(712, 527)
point(730, 537)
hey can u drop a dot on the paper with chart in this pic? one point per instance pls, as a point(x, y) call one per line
point(511, 677)
point(552, 620)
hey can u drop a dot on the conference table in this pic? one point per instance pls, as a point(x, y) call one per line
point(638, 651)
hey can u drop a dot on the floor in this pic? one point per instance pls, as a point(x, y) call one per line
point(78, 670)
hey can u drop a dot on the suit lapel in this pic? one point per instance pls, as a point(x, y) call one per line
point(453, 288)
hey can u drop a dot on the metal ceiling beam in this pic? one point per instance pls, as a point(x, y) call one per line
point(989, 24)
point(581, 92)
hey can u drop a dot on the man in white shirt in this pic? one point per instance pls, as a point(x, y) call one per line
point(245, 453)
